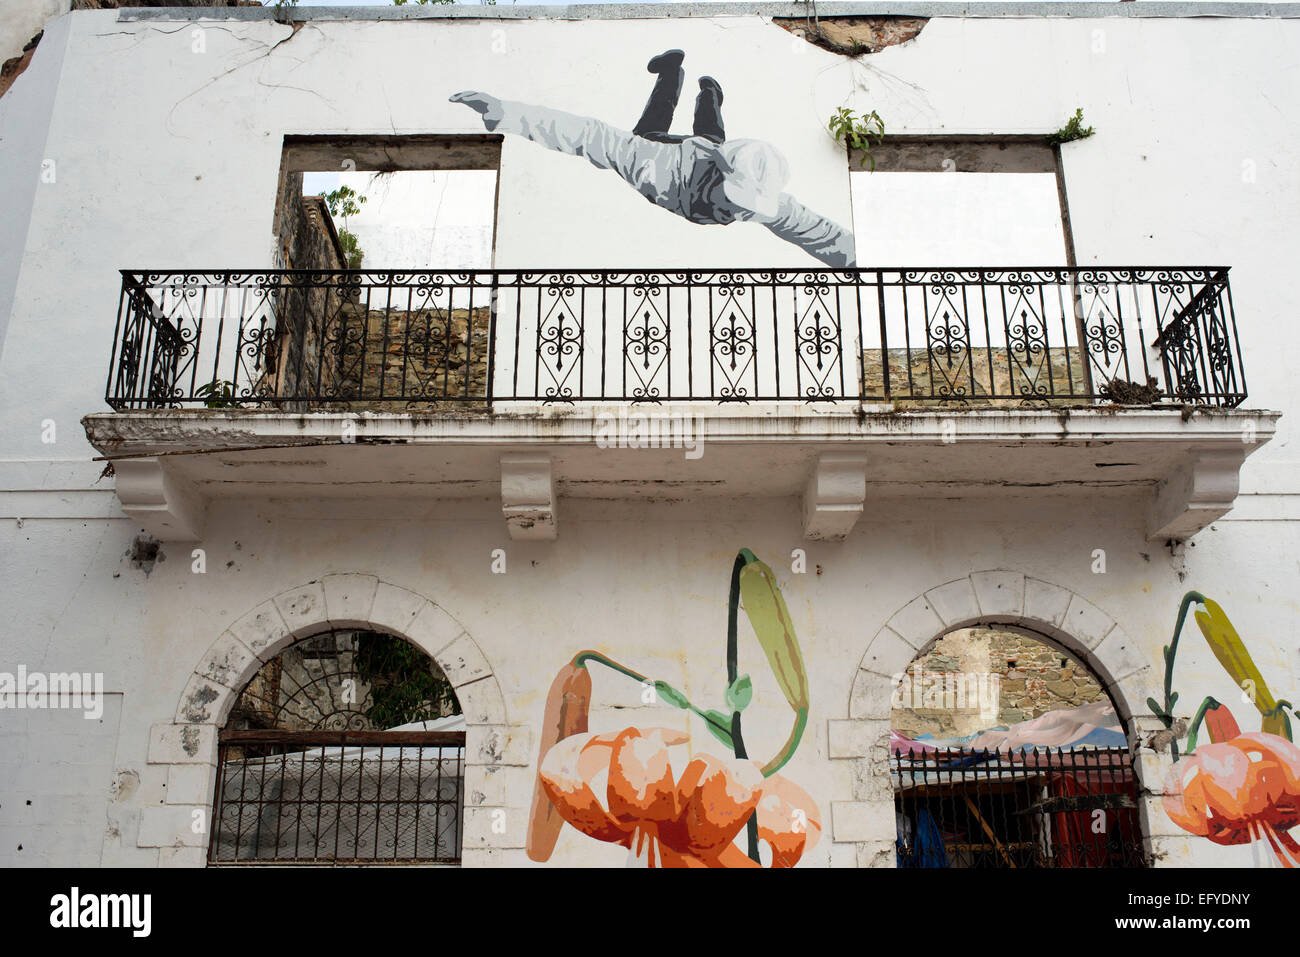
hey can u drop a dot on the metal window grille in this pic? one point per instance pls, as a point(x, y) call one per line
point(338, 797)
point(305, 776)
point(1039, 808)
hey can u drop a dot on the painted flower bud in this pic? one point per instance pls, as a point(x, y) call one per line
point(771, 622)
point(567, 706)
point(1228, 647)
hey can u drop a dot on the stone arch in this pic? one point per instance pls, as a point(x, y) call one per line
point(340, 601)
point(993, 597)
point(188, 744)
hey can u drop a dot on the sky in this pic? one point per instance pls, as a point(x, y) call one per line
point(419, 219)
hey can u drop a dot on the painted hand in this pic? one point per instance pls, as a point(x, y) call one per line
point(484, 103)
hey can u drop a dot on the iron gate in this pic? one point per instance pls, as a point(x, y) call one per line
point(1034, 808)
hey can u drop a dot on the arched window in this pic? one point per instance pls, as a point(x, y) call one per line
point(347, 747)
point(1007, 752)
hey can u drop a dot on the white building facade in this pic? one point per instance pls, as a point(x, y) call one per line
point(876, 468)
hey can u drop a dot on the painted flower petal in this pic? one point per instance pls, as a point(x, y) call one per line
point(1274, 778)
point(717, 797)
point(788, 820)
point(566, 774)
point(1209, 795)
point(641, 785)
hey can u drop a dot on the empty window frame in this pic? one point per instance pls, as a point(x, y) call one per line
point(960, 201)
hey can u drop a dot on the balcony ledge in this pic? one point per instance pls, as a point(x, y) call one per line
point(838, 456)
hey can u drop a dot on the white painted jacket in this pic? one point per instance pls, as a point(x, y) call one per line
point(681, 177)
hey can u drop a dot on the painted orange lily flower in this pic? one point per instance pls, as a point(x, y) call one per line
point(620, 787)
point(1238, 791)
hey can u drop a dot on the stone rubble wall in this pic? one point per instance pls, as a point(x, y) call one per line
point(1033, 678)
point(416, 357)
point(931, 375)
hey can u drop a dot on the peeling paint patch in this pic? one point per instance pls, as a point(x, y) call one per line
point(853, 36)
point(125, 783)
point(1161, 740)
point(196, 708)
point(145, 552)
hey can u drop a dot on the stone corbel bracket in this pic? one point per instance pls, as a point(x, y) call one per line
point(1202, 490)
point(163, 505)
point(528, 497)
point(834, 496)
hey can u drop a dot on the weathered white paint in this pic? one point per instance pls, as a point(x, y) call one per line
point(186, 176)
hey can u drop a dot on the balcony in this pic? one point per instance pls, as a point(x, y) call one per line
point(848, 387)
point(386, 341)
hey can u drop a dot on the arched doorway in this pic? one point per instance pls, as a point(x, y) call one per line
point(1007, 751)
point(346, 747)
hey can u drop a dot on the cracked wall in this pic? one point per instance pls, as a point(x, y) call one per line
point(853, 36)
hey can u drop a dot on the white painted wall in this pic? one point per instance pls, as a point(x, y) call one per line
point(634, 581)
point(25, 115)
point(183, 173)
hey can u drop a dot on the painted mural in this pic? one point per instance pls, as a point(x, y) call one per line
point(645, 789)
point(704, 177)
point(1230, 786)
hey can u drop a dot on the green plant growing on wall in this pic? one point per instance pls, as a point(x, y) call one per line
point(405, 686)
point(217, 394)
point(1071, 131)
point(421, 3)
point(858, 132)
point(346, 202)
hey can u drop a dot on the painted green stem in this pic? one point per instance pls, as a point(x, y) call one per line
point(743, 558)
point(581, 658)
point(580, 661)
point(1195, 729)
point(1166, 714)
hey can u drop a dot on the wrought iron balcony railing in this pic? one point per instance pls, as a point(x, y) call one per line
point(385, 340)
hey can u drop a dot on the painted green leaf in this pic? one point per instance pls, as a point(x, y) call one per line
point(770, 619)
point(739, 694)
point(670, 695)
point(718, 725)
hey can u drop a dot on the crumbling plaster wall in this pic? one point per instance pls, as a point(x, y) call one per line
point(23, 19)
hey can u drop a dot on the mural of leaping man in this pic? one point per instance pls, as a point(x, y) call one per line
point(705, 177)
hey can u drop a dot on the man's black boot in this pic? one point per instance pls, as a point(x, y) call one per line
point(666, 62)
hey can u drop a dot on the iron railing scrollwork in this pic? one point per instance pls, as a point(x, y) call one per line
point(391, 340)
